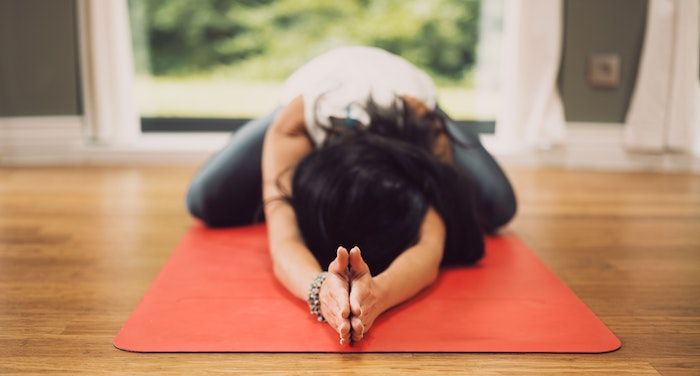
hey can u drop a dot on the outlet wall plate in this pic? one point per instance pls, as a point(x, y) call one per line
point(604, 70)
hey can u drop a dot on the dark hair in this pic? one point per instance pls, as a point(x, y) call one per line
point(372, 188)
point(399, 123)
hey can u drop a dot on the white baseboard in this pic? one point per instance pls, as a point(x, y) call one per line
point(596, 146)
point(58, 140)
point(42, 139)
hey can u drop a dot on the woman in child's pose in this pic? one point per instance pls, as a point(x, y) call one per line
point(358, 157)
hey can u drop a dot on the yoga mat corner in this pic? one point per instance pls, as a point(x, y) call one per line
point(217, 293)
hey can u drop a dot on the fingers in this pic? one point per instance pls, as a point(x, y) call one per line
point(344, 308)
point(362, 297)
point(335, 303)
point(340, 293)
point(356, 309)
point(345, 311)
point(342, 257)
point(358, 266)
point(358, 329)
point(355, 304)
point(337, 308)
point(340, 325)
point(340, 297)
point(340, 264)
point(344, 331)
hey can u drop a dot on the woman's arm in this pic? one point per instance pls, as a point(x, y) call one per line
point(285, 144)
point(415, 269)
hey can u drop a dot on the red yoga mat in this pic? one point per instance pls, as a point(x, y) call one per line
point(217, 293)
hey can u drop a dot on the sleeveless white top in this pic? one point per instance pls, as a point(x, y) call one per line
point(340, 83)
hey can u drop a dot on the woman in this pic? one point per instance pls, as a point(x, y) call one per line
point(358, 156)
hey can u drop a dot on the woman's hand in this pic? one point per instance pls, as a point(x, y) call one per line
point(335, 296)
point(364, 296)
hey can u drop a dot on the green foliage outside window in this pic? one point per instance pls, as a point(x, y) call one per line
point(268, 39)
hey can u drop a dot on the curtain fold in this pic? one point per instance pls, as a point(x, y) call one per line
point(107, 71)
point(531, 114)
point(663, 110)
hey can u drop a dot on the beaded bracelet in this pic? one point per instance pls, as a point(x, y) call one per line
point(314, 301)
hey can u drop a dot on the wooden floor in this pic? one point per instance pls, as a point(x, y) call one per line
point(79, 246)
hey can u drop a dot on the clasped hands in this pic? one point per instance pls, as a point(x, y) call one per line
point(350, 298)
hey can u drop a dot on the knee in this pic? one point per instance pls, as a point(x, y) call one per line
point(509, 206)
point(202, 205)
point(501, 209)
point(217, 207)
point(194, 200)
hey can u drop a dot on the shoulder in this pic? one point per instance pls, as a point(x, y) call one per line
point(290, 121)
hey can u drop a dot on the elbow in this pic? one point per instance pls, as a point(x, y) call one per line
point(433, 273)
point(433, 276)
point(276, 267)
point(277, 270)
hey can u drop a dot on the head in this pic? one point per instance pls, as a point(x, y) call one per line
point(373, 191)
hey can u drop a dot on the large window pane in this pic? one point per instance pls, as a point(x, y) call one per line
point(229, 58)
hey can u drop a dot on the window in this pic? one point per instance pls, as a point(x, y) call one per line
point(213, 64)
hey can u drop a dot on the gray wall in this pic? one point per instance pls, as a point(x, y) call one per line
point(38, 58)
point(600, 26)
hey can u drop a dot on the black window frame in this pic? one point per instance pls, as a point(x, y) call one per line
point(200, 124)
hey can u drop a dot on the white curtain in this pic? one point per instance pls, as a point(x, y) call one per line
point(532, 113)
point(663, 110)
point(107, 70)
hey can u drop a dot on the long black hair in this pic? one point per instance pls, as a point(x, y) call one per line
point(372, 186)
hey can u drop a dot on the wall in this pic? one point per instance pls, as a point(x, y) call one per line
point(38, 58)
point(607, 26)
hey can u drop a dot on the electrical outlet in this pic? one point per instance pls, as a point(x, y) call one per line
point(604, 70)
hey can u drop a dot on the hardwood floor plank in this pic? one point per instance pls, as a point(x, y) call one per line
point(80, 245)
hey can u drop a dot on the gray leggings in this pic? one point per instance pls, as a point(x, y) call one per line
point(227, 190)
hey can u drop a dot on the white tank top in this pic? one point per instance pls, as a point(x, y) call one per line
point(340, 82)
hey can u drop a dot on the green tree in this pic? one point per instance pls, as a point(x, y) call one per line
point(268, 39)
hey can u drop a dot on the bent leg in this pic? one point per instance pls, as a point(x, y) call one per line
point(495, 199)
point(227, 190)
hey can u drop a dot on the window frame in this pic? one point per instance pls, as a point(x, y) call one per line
point(111, 118)
point(153, 125)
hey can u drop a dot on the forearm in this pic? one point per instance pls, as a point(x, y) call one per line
point(408, 275)
point(293, 264)
point(284, 145)
point(416, 268)
point(297, 270)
